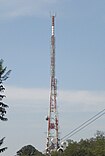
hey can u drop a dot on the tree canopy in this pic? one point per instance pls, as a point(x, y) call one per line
point(29, 150)
point(3, 76)
point(89, 147)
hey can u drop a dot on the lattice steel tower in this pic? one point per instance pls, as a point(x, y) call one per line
point(52, 118)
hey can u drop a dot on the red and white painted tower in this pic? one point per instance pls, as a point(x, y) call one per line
point(52, 118)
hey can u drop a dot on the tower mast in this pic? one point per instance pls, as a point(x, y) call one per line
point(52, 126)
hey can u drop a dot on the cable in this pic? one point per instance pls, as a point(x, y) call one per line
point(85, 126)
point(76, 129)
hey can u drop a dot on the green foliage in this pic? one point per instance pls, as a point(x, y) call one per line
point(3, 106)
point(2, 78)
point(29, 150)
point(89, 147)
point(57, 153)
point(1, 142)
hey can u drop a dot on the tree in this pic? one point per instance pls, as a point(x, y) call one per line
point(3, 106)
point(88, 147)
point(29, 150)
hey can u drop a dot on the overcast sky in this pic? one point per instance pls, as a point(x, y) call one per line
point(25, 31)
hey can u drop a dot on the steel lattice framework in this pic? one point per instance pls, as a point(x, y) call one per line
point(52, 118)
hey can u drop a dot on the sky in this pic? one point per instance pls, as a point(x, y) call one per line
point(25, 40)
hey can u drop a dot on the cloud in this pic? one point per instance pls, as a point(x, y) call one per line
point(30, 94)
point(83, 96)
point(31, 118)
point(15, 8)
point(82, 100)
point(68, 100)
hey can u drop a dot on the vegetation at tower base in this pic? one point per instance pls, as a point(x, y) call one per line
point(29, 150)
point(3, 76)
point(85, 147)
point(88, 147)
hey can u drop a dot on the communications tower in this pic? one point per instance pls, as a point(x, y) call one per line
point(53, 140)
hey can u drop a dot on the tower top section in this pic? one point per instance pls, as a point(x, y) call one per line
point(53, 20)
point(53, 24)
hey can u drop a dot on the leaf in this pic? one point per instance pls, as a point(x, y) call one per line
point(6, 76)
point(3, 119)
point(2, 88)
point(2, 71)
point(2, 110)
point(3, 149)
point(1, 141)
point(3, 105)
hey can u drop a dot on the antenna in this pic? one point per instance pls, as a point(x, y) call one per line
point(53, 140)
